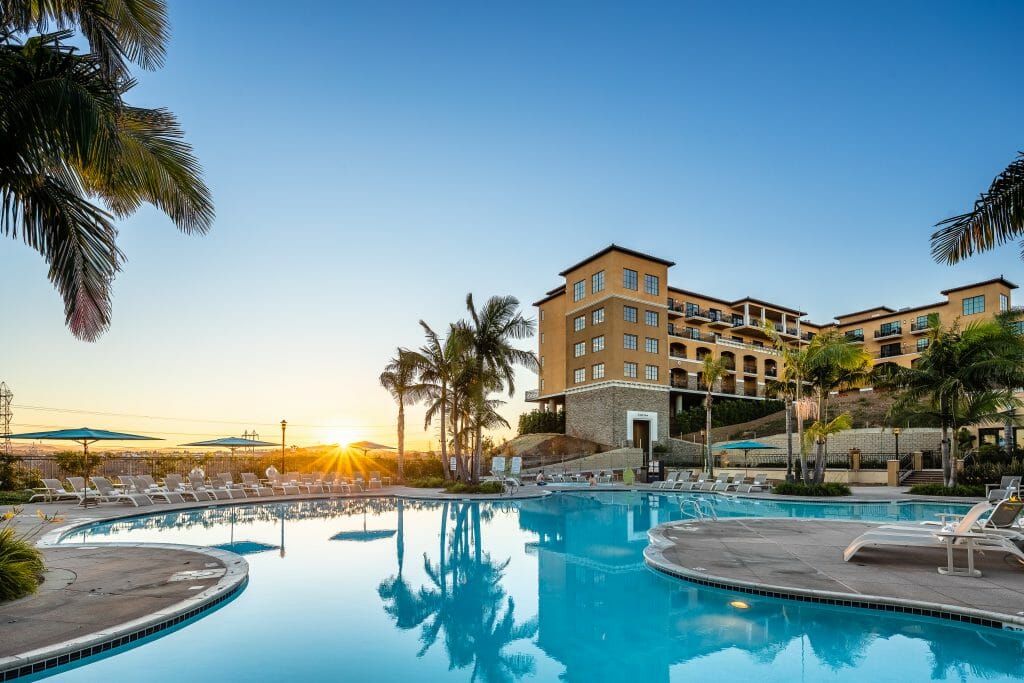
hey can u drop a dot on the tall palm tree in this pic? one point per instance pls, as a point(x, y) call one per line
point(964, 376)
point(439, 364)
point(997, 218)
point(713, 370)
point(832, 363)
point(492, 331)
point(791, 387)
point(400, 380)
point(75, 156)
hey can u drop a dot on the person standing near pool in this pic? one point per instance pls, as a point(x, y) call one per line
point(540, 479)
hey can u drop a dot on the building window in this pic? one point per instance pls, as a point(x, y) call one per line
point(1018, 327)
point(692, 309)
point(692, 333)
point(579, 322)
point(579, 375)
point(597, 344)
point(597, 317)
point(890, 350)
point(542, 385)
point(651, 345)
point(597, 282)
point(629, 278)
point(856, 335)
point(974, 304)
point(629, 369)
point(597, 372)
point(1004, 302)
point(629, 341)
point(651, 284)
point(651, 318)
point(541, 337)
point(629, 314)
point(579, 348)
point(921, 323)
point(885, 329)
point(542, 315)
point(579, 290)
point(542, 361)
point(651, 372)
point(922, 344)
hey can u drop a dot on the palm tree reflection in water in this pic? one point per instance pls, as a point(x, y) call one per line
point(464, 602)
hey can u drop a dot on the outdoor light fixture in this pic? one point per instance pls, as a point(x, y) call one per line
point(896, 433)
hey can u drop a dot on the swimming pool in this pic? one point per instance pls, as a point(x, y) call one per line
point(545, 589)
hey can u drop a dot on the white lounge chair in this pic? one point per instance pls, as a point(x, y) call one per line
point(283, 486)
point(1007, 485)
point(173, 482)
point(199, 485)
point(252, 486)
point(52, 491)
point(335, 484)
point(498, 467)
point(737, 479)
point(693, 485)
point(374, 481)
point(109, 493)
point(140, 485)
point(723, 478)
point(515, 471)
point(668, 482)
point(760, 483)
point(964, 535)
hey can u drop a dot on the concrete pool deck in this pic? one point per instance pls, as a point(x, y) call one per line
point(803, 560)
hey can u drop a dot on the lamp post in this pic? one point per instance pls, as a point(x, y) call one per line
point(284, 423)
point(896, 433)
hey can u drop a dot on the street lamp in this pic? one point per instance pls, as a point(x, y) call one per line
point(896, 433)
point(284, 423)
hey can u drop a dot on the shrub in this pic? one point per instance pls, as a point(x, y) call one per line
point(74, 464)
point(14, 497)
point(830, 488)
point(542, 422)
point(992, 454)
point(16, 477)
point(427, 483)
point(723, 414)
point(484, 487)
point(420, 468)
point(958, 491)
point(21, 563)
point(990, 473)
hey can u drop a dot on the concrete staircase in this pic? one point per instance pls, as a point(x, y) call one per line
point(923, 477)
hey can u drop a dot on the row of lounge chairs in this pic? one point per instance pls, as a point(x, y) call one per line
point(143, 490)
point(685, 481)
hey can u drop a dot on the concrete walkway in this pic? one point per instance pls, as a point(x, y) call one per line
point(804, 559)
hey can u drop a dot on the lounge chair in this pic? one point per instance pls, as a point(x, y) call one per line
point(760, 483)
point(336, 484)
point(693, 485)
point(374, 479)
point(52, 491)
point(515, 471)
point(309, 483)
point(228, 481)
point(683, 479)
point(964, 534)
point(174, 483)
point(498, 467)
point(108, 493)
point(251, 485)
point(141, 485)
point(737, 479)
point(1007, 485)
point(283, 486)
point(604, 477)
point(667, 483)
point(199, 485)
point(723, 478)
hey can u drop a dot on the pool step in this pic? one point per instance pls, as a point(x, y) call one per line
point(924, 477)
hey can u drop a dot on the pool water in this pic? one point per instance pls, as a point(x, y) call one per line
point(549, 589)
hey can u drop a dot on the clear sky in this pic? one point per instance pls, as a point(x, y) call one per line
point(372, 163)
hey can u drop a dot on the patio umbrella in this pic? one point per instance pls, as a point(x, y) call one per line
point(747, 446)
point(84, 436)
point(231, 442)
point(367, 446)
point(364, 535)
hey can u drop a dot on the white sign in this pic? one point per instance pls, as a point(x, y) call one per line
point(451, 465)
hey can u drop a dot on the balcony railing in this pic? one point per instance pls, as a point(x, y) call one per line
point(679, 384)
point(855, 338)
point(892, 353)
point(674, 308)
point(531, 394)
point(771, 372)
point(677, 356)
point(749, 369)
point(888, 332)
point(696, 313)
point(916, 327)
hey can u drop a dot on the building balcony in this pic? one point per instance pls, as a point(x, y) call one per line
point(919, 328)
point(531, 394)
point(695, 313)
point(771, 372)
point(718, 320)
point(679, 384)
point(749, 370)
point(855, 338)
point(677, 356)
point(675, 309)
point(888, 333)
point(893, 353)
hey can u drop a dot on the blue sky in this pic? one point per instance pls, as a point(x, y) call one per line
point(371, 163)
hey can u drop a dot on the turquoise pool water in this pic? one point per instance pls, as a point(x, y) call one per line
point(551, 589)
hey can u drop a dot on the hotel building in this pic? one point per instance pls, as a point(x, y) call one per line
point(621, 350)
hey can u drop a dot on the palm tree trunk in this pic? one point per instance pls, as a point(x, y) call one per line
point(789, 439)
point(478, 451)
point(444, 436)
point(401, 440)
point(819, 460)
point(709, 464)
point(947, 469)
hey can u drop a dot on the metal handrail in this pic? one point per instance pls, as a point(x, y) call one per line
point(906, 466)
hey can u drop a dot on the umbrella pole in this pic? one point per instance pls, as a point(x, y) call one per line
point(88, 473)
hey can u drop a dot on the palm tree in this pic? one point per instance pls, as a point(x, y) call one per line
point(791, 387)
point(492, 330)
point(819, 432)
point(399, 379)
point(964, 376)
point(439, 365)
point(832, 363)
point(714, 369)
point(74, 155)
point(997, 218)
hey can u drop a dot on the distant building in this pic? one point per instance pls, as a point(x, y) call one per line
point(621, 349)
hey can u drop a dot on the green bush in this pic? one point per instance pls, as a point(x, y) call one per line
point(14, 497)
point(990, 472)
point(427, 483)
point(831, 488)
point(16, 477)
point(958, 491)
point(990, 454)
point(21, 566)
point(541, 422)
point(723, 413)
point(484, 487)
point(75, 464)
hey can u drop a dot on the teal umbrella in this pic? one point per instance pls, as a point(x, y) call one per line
point(747, 446)
point(231, 442)
point(84, 436)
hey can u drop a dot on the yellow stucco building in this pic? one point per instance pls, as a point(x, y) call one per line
point(621, 349)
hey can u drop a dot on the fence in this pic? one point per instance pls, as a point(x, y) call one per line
point(839, 461)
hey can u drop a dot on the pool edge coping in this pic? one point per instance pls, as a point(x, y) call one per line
point(228, 586)
point(654, 557)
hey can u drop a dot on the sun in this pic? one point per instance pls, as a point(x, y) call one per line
point(342, 436)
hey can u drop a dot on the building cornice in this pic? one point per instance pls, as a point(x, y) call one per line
point(617, 383)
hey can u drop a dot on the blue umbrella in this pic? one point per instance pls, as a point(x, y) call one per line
point(746, 447)
point(231, 442)
point(84, 436)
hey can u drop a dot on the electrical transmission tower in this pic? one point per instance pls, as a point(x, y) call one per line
point(5, 418)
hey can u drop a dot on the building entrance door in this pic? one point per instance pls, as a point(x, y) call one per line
point(642, 435)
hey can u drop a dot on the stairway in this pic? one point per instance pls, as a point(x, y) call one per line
point(923, 477)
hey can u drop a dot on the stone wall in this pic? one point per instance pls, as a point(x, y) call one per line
point(869, 440)
point(600, 414)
